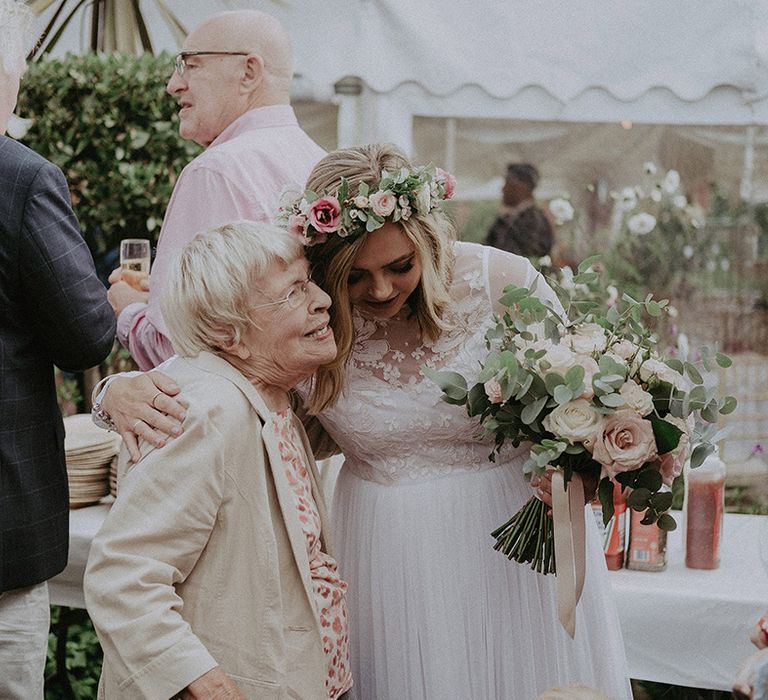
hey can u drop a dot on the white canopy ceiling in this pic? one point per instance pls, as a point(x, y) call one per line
point(477, 83)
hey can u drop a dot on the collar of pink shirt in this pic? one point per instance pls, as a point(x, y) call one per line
point(258, 118)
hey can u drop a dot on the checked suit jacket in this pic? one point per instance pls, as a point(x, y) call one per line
point(53, 311)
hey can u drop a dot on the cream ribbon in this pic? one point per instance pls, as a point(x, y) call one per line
point(568, 521)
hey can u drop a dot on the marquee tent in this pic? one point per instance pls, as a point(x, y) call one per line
point(585, 89)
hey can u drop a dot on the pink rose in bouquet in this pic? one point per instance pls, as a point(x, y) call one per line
point(625, 442)
point(325, 214)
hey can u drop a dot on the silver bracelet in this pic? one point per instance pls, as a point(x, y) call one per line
point(102, 418)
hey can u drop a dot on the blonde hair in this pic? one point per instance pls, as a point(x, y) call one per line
point(206, 302)
point(573, 692)
point(15, 31)
point(431, 234)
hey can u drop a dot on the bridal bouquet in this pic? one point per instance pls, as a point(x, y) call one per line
point(594, 398)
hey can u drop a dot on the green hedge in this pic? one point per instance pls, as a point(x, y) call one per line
point(107, 121)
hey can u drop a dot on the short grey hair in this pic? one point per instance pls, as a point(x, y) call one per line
point(206, 302)
point(15, 34)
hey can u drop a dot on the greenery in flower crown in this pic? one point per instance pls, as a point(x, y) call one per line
point(313, 217)
point(591, 395)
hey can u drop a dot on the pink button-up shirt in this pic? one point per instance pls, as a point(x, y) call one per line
point(239, 176)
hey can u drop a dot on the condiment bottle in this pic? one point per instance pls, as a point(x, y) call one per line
point(647, 549)
point(704, 503)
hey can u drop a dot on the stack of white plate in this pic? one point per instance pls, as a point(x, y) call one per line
point(113, 476)
point(90, 451)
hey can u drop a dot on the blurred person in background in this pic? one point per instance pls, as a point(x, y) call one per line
point(232, 82)
point(53, 311)
point(521, 227)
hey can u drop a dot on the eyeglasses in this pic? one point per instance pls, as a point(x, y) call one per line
point(181, 58)
point(295, 297)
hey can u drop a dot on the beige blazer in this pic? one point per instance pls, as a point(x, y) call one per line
point(201, 561)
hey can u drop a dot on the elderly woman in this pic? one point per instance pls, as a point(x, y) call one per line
point(212, 573)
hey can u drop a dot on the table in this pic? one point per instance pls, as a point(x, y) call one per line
point(84, 523)
point(690, 627)
point(680, 626)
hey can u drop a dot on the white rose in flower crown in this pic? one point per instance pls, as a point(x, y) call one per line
point(656, 368)
point(360, 201)
point(289, 196)
point(423, 200)
point(636, 398)
point(575, 421)
point(642, 223)
point(382, 203)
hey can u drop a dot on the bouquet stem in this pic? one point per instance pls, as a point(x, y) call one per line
point(528, 536)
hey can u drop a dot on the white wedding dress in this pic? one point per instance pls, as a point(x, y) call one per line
point(435, 612)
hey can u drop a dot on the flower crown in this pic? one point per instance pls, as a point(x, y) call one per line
point(313, 217)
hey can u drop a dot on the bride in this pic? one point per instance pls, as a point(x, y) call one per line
point(435, 612)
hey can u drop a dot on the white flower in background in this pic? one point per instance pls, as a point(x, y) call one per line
point(672, 311)
point(624, 349)
point(649, 168)
point(613, 295)
point(17, 127)
point(688, 251)
point(725, 264)
point(566, 279)
point(642, 223)
point(656, 194)
point(627, 199)
point(561, 209)
point(696, 215)
point(715, 249)
point(680, 201)
point(575, 421)
point(671, 181)
point(545, 261)
point(711, 265)
point(636, 398)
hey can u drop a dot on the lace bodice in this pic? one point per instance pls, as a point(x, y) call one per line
point(391, 423)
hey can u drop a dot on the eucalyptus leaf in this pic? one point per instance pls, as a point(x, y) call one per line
point(453, 385)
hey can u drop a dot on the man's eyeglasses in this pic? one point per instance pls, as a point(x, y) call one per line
point(182, 57)
point(295, 297)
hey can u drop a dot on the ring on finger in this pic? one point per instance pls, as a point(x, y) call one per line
point(135, 425)
point(154, 398)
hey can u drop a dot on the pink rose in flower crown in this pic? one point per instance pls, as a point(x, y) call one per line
point(449, 182)
point(625, 442)
point(493, 390)
point(382, 203)
point(325, 214)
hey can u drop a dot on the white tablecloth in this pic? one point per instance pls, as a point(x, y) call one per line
point(690, 627)
point(84, 523)
point(680, 626)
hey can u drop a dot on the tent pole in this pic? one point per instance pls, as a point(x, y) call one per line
point(450, 144)
point(746, 188)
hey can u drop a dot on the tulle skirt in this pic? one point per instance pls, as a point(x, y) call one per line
point(437, 614)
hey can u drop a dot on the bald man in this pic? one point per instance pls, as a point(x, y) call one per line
point(232, 83)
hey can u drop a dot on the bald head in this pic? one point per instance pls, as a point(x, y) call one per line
point(257, 33)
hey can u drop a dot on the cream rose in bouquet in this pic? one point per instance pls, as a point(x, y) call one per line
point(593, 397)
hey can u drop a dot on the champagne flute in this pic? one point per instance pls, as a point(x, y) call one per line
point(135, 255)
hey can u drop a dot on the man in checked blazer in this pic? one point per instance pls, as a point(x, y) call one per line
point(53, 311)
